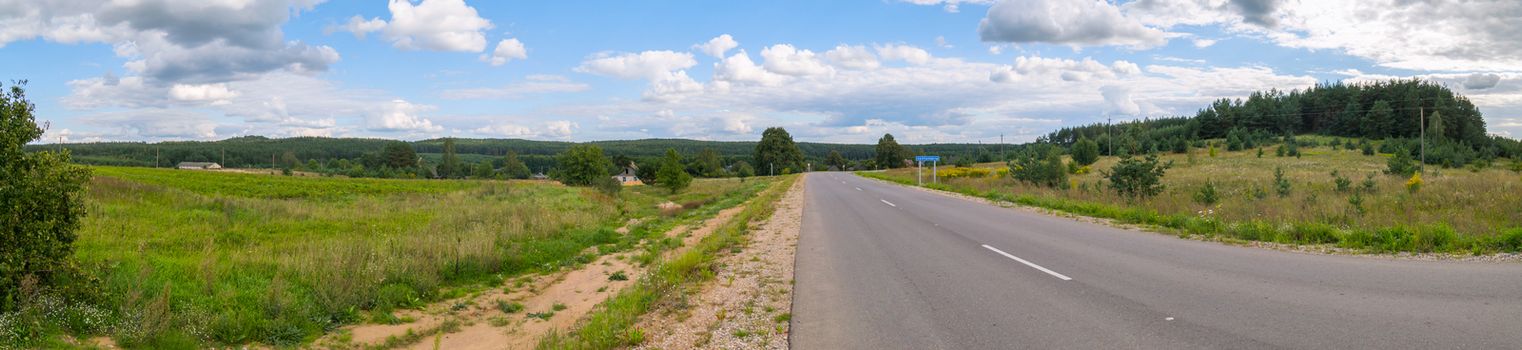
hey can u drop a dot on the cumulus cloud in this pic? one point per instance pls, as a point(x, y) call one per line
point(852, 57)
point(650, 65)
point(507, 50)
point(1118, 101)
point(437, 25)
point(401, 115)
point(952, 6)
point(906, 53)
point(717, 46)
point(204, 92)
point(532, 85)
point(1076, 22)
point(175, 41)
point(1259, 12)
point(1481, 81)
point(739, 69)
point(560, 128)
point(156, 124)
point(786, 60)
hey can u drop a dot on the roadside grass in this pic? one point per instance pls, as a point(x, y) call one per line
point(611, 324)
point(1471, 211)
point(209, 259)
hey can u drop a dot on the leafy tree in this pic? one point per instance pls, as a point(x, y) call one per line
point(483, 170)
point(1135, 178)
point(963, 162)
point(450, 166)
point(398, 155)
point(582, 164)
point(707, 163)
point(288, 161)
point(889, 153)
point(777, 151)
point(1085, 151)
point(744, 170)
point(514, 168)
point(43, 197)
point(671, 175)
point(836, 160)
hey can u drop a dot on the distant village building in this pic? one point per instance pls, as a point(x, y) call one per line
point(198, 166)
point(629, 177)
point(539, 176)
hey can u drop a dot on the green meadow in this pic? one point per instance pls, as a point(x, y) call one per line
point(185, 259)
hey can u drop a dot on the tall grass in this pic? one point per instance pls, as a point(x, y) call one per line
point(1457, 210)
point(231, 259)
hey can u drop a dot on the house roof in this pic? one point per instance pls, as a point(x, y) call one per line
point(197, 164)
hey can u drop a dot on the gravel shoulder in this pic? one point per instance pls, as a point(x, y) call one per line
point(747, 305)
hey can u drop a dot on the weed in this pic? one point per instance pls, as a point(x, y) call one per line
point(508, 307)
point(618, 276)
point(558, 307)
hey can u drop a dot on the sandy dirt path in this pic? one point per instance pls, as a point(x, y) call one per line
point(746, 306)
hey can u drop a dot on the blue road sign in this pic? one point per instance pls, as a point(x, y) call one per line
point(927, 158)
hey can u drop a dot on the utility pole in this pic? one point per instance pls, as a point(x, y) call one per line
point(1110, 135)
point(224, 157)
point(155, 157)
point(1423, 119)
point(1001, 147)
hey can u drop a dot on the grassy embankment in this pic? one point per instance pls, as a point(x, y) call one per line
point(1454, 211)
point(190, 259)
point(612, 324)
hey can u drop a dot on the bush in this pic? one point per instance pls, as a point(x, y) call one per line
point(1040, 166)
point(1137, 178)
point(1401, 164)
point(1207, 195)
point(1085, 151)
point(1368, 149)
point(583, 165)
point(608, 186)
point(1342, 182)
point(1281, 185)
point(43, 199)
point(1368, 184)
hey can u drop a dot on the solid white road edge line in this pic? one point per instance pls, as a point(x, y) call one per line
point(858, 188)
point(1027, 263)
point(888, 203)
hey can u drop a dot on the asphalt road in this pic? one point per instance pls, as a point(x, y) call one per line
point(882, 266)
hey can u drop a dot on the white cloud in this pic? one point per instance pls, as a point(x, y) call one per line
point(717, 46)
point(952, 6)
point(852, 57)
point(507, 50)
point(560, 128)
point(437, 25)
point(1076, 22)
point(672, 86)
point(1125, 68)
point(941, 41)
point(403, 116)
point(906, 53)
point(534, 84)
point(203, 93)
point(738, 68)
point(649, 65)
point(1118, 101)
point(786, 60)
point(1203, 43)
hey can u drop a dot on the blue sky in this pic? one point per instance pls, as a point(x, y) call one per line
point(833, 71)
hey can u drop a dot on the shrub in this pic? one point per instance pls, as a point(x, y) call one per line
point(1368, 149)
point(508, 307)
point(1085, 151)
point(1137, 178)
point(1415, 183)
point(1400, 164)
point(1356, 201)
point(618, 276)
point(1368, 184)
point(43, 199)
point(1281, 185)
point(1041, 166)
point(607, 185)
point(1342, 182)
point(1207, 194)
point(1212, 150)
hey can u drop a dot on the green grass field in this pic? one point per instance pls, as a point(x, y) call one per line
point(195, 259)
point(1455, 210)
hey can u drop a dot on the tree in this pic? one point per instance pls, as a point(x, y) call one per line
point(744, 170)
point(671, 176)
point(581, 165)
point(450, 166)
point(514, 168)
point(1086, 152)
point(1041, 165)
point(1377, 122)
point(777, 152)
point(398, 155)
point(483, 170)
point(1435, 126)
point(1401, 164)
point(836, 160)
point(1135, 178)
point(43, 197)
point(1281, 185)
point(889, 153)
point(288, 160)
point(707, 163)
